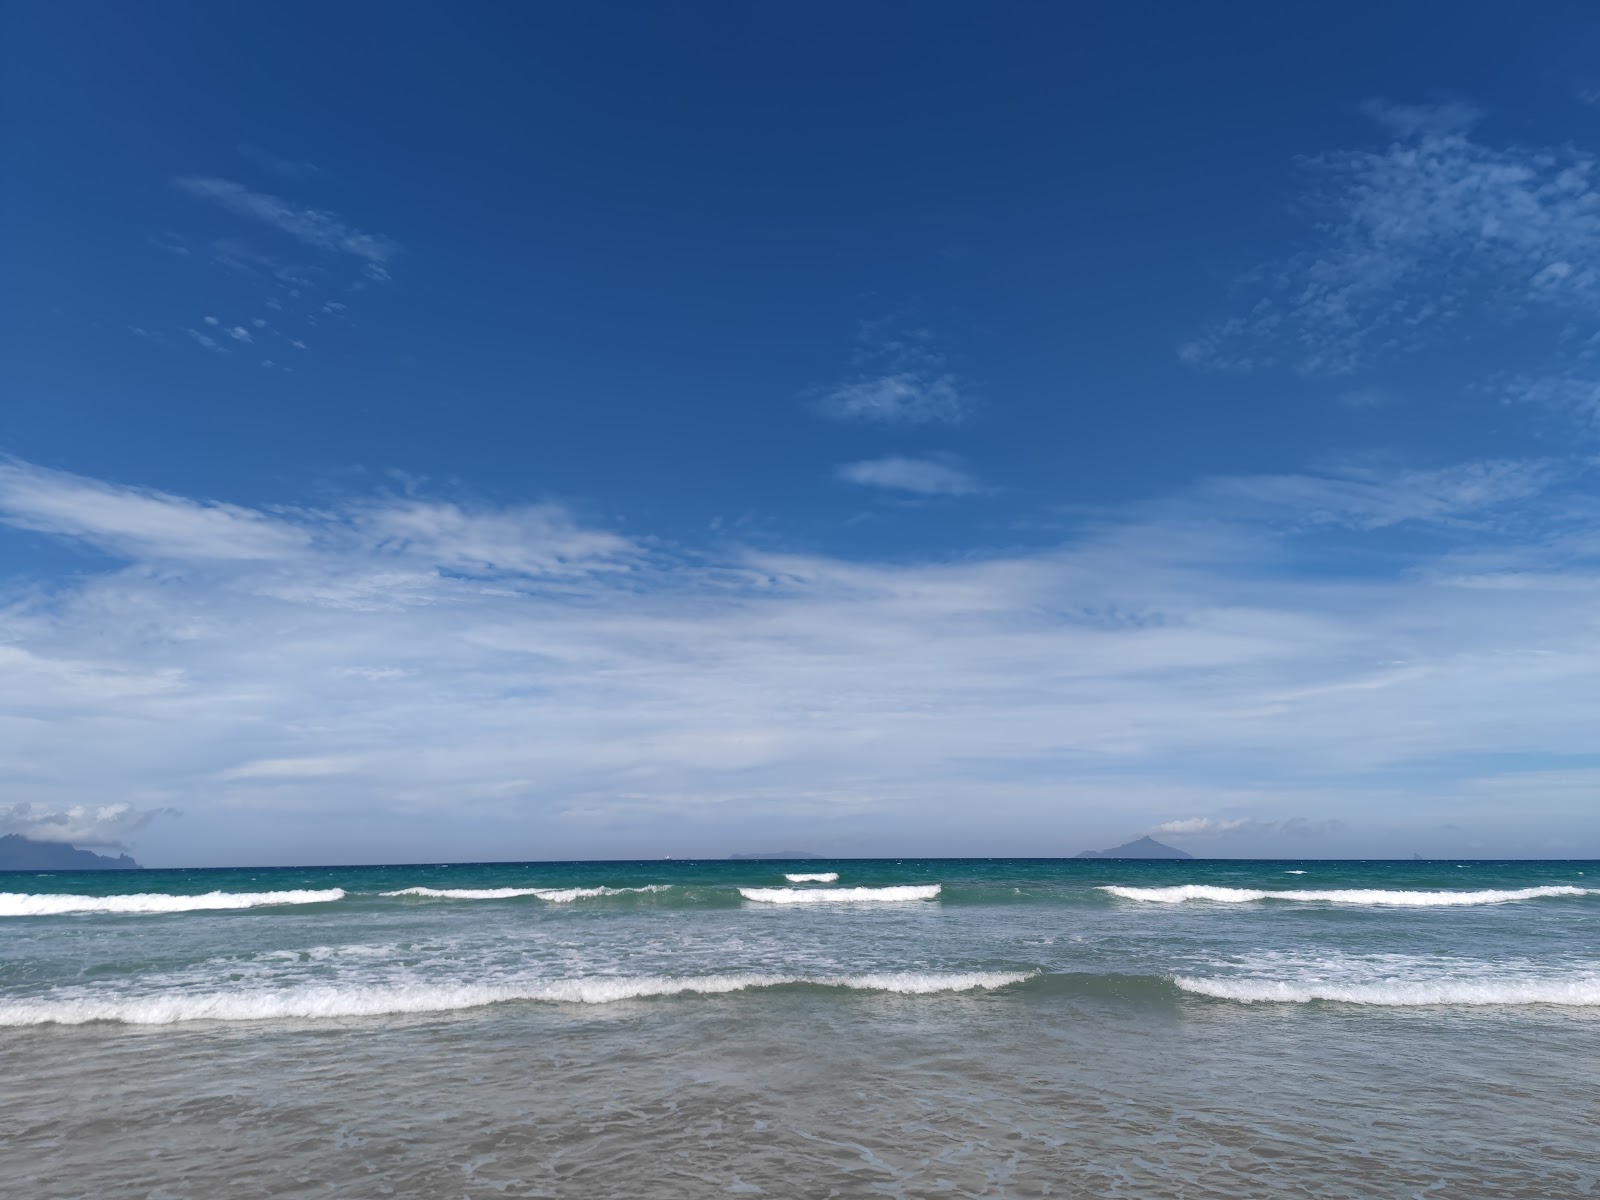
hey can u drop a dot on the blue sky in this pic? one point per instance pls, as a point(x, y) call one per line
point(622, 430)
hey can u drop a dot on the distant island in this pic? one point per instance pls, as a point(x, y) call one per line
point(18, 853)
point(1145, 847)
point(775, 854)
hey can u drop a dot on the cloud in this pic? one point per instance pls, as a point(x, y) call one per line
point(322, 230)
point(1242, 826)
point(240, 334)
point(903, 380)
point(1438, 227)
point(274, 769)
point(276, 163)
point(139, 522)
point(101, 826)
point(900, 398)
point(1201, 826)
point(383, 662)
point(205, 339)
point(920, 476)
point(1361, 496)
point(1367, 397)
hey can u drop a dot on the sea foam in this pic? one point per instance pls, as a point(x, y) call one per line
point(1376, 896)
point(316, 1001)
point(29, 904)
point(1581, 991)
point(847, 895)
point(819, 877)
point(551, 895)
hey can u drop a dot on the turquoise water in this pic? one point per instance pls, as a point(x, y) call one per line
point(983, 1027)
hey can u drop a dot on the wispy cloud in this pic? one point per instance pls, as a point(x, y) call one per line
point(901, 380)
point(1238, 827)
point(920, 476)
point(1438, 226)
point(465, 664)
point(314, 227)
point(1204, 826)
point(276, 163)
point(140, 522)
point(1364, 496)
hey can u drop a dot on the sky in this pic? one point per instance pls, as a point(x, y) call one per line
point(488, 431)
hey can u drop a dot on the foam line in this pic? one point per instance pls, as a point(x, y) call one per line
point(322, 1001)
point(551, 895)
point(819, 877)
point(28, 904)
point(849, 895)
point(1583, 991)
point(1401, 899)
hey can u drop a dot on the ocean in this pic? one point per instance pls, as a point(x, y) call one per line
point(848, 1028)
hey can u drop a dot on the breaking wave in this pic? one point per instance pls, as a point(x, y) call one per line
point(551, 895)
point(1582, 991)
point(848, 895)
point(316, 1001)
point(819, 877)
point(28, 904)
point(1374, 896)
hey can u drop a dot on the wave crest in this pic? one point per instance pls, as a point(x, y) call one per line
point(29, 904)
point(849, 895)
point(331, 1001)
point(818, 877)
point(550, 895)
point(1584, 991)
point(1370, 896)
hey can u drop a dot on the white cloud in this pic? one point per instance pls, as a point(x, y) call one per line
point(900, 398)
point(903, 380)
point(274, 769)
point(240, 334)
point(1438, 226)
point(921, 476)
point(139, 522)
point(204, 339)
point(1201, 826)
point(98, 826)
point(1369, 497)
point(413, 662)
point(323, 230)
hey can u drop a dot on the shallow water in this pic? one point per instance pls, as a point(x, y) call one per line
point(1021, 1031)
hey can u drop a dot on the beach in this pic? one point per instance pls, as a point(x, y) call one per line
point(936, 1027)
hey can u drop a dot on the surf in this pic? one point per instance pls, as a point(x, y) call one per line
point(1368, 896)
point(847, 895)
point(29, 904)
point(549, 895)
point(325, 1001)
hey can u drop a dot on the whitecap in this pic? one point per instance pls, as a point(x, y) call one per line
point(846, 895)
point(1370, 896)
point(1581, 991)
point(550, 895)
point(29, 904)
point(818, 877)
point(464, 893)
point(319, 1001)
